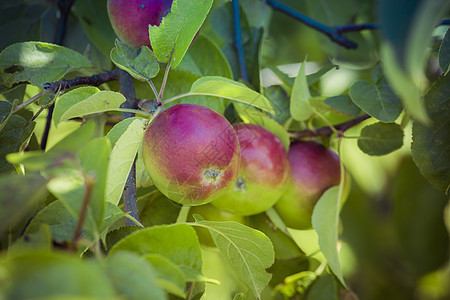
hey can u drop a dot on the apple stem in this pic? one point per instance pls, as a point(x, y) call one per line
point(166, 74)
point(155, 91)
point(183, 214)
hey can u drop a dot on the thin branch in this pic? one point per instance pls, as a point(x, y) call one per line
point(238, 40)
point(94, 80)
point(28, 102)
point(331, 32)
point(327, 130)
point(64, 7)
point(129, 194)
point(89, 184)
point(356, 27)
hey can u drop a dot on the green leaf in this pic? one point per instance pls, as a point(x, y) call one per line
point(180, 82)
point(204, 58)
point(178, 29)
point(168, 275)
point(14, 135)
point(226, 88)
point(157, 209)
point(248, 251)
point(5, 111)
point(62, 223)
point(140, 63)
point(15, 200)
point(444, 52)
point(38, 62)
point(178, 243)
point(285, 248)
point(126, 138)
point(251, 115)
point(325, 220)
point(379, 102)
point(324, 288)
point(407, 27)
point(85, 101)
point(300, 107)
point(344, 104)
point(44, 275)
point(380, 138)
point(94, 162)
point(60, 156)
point(133, 277)
point(430, 147)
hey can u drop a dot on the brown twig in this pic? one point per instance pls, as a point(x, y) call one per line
point(89, 184)
point(327, 130)
point(94, 80)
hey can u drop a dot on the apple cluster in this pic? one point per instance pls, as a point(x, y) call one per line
point(195, 156)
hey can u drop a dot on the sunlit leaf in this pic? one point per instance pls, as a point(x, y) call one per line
point(126, 138)
point(226, 88)
point(178, 243)
point(178, 29)
point(325, 220)
point(38, 62)
point(248, 251)
point(300, 107)
point(85, 101)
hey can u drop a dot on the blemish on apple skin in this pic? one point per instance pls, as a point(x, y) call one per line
point(240, 184)
point(142, 5)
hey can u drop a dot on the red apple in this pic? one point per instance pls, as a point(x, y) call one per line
point(263, 173)
point(130, 19)
point(191, 153)
point(314, 169)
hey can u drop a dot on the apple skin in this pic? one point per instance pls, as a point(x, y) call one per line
point(130, 19)
point(191, 153)
point(263, 173)
point(314, 169)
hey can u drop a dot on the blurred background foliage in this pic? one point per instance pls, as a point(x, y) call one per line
point(394, 240)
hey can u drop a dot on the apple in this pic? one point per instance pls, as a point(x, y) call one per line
point(130, 19)
point(191, 153)
point(314, 169)
point(263, 173)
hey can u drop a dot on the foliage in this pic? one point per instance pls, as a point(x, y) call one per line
point(64, 204)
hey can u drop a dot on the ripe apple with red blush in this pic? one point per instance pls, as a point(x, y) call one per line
point(130, 19)
point(263, 173)
point(191, 153)
point(313, 169)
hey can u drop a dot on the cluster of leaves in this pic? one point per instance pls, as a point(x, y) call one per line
point(68, 199)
